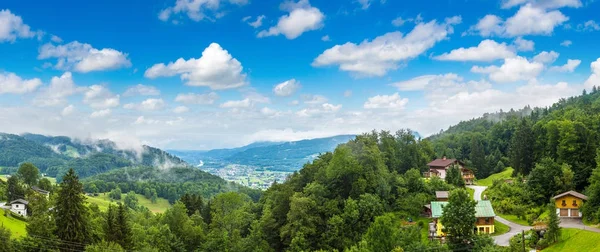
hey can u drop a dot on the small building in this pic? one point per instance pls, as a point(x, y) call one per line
point(19, 206)
point(440, 166)
point(41, 191)
point(568, 204)
point(484, 212)
point(441, 195)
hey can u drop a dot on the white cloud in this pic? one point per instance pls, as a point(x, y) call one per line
point(314, 99)
point(364, 4)
point(594, 79)
point(421, 82)
point(513, 69)
point(325, 108)
point(384, 53)
point(180, 109)
point(83, 57)
point(546, 57)
point(245, 103)
point(147, 105)
point(286, 88)
point(487, 50)
point(250, 100)
point(302, 17)
point(326, 38)
point(142, 90)
point(68, 110)
point(100, 113)
point(398, 21)
point(59, 90)
point(523, 44)
point(566, 43)
point(12, 27)
point(529, 20)
point(257, 23)
point(393, 102)
point(546, 4)
point(11, 83)
point(269, 112)
point(143, 120)
point(201, 99)
point(216, 69)
point(56, 39)
point(198, 10)
point(589, 25)
point(569, 67)
point(99, 97)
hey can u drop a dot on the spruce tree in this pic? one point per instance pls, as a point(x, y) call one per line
point(521, 150)
point(71, 213)
point(123, 227)
point(5, 242)
point(553, 232)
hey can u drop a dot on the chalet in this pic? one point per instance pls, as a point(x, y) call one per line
point(40, 191)
point(568, 204)
point(19, 206)
point(441, 195)
point(440, 166)
point(483, 212)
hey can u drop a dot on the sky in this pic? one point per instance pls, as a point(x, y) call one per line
point(204, 74)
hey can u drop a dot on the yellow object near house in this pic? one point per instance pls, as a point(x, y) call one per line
point(484, 212)
point(568, 204)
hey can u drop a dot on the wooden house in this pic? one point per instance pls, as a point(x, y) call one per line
point(484, 212)
point(440, 166)
point(568, 204)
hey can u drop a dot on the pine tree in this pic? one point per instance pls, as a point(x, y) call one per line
point(5, 242)
point(478, 158)
point(554, 229)
point(123, 227)
point(71, 213)
point(454, 177)
point(522, 148)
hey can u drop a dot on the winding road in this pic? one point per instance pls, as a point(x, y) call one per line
point(504, 239)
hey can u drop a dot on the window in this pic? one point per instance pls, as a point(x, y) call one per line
point(564, 202)
point(574, 202)
point(487, 220)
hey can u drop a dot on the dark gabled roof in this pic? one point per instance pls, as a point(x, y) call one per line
point(441, 194)
point(440, 162)
point(573, 193)
point(37, 189)
point(22, 201)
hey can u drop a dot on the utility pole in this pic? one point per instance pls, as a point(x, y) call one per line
point(523, 239)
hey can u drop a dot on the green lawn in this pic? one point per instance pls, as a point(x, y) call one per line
point(506, 174)
point(513, 218)
point(471, 192)
point(500, 228)
point(103, 201)
point(16, 227)
point(576, 240)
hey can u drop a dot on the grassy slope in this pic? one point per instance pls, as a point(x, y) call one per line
point(576, 240)
point(103, 201)
point(16, 227)
point(513, 218)
point(500, 228)
point(506, 174)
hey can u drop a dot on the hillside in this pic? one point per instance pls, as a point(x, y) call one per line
point(53, 155)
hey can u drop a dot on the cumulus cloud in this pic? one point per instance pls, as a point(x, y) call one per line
point(144, 120)
point(523, 45)
point(100, 97)
point(12, 27)
point(594, 79)
point(250, 100)
point(216, 69)
point(487, 50)
point(566, 43)
point(146, 105)
point(245, 103)
point(257, 23)
point(141, 90)
point(56, 39)
point(286, 88)
point(314, 99)
point(589, 25)
point(384, 53)
point(59, 90)
point(68, 110)
point(180, 109)
point(84, 58)
point(11, 83)
point(422, 82)
point(546, 57)
point(529, 20)
point(302, 17)
point(393, 102)
point(101, 113)
point(326, 38)
point(569, 67)
point(399, 21)
point(546, 4)
point(198, 10)
point(513, 69)
point(199, 99)
point(325, 108)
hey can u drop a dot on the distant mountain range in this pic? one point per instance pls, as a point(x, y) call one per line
point(275, 156)
point(56, 154)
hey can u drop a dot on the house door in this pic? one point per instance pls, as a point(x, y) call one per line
point(574, 212)
point(564, 212)
point(487, 230)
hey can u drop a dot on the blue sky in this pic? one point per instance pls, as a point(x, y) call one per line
point(283, 70)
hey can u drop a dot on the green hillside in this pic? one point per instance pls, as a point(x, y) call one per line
point(102, 200)
point(16, 227)
point(506, 174)
point(574, 240)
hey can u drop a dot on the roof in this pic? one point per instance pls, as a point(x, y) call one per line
point(441, 194)
point(22, 201)
point(572, 193)
point(37, 189)
point(482, 209)
point(440, 162)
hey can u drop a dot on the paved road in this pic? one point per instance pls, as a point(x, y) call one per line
point(514, 228)
point(576, 223)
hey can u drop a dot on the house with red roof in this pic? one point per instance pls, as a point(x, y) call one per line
point(439, 167)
